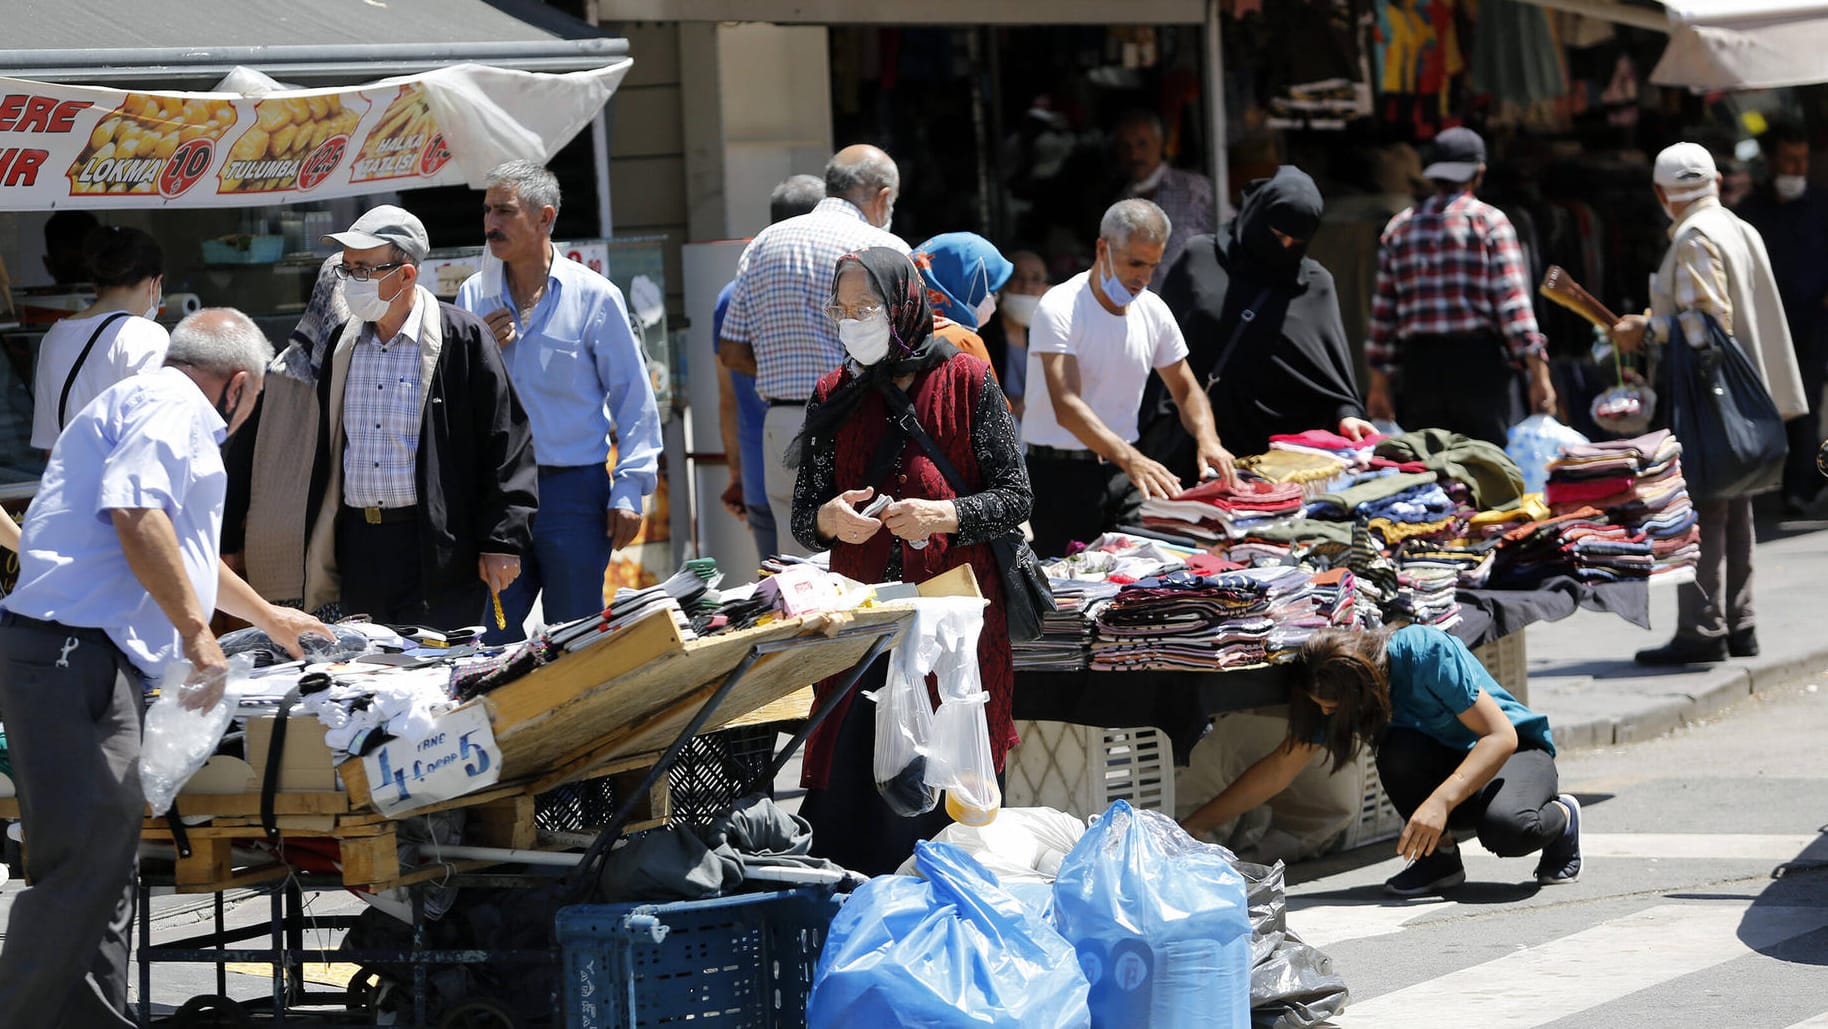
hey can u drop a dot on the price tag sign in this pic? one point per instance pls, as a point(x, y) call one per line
point(457, 757)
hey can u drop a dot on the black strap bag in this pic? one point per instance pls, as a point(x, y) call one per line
point(1733, 441)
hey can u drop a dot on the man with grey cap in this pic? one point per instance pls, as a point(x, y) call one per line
point(424, 485)
point(1452, 320)
point(1716, 265)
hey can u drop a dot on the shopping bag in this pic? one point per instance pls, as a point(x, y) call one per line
point(176, 740)
point(959, 759)
point(1733, 441)
point(1533, 443)
point(1161, 923)
point(952, 949)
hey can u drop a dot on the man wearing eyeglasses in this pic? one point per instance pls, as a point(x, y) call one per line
point(424, 487)
point(565, 337)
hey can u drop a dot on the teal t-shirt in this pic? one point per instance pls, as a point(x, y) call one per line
point(1434, 679)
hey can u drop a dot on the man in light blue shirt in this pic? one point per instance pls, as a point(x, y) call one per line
point(565, 338)
point(119, 572)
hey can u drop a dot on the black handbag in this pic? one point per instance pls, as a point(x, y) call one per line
point(1733, 441)
point(1026, 593)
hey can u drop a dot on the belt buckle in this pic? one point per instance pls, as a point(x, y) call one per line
point(371, 515)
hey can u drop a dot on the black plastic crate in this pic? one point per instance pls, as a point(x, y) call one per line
point(715, 768)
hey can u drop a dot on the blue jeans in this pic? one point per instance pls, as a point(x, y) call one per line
point(761, 525)
point(570, 552)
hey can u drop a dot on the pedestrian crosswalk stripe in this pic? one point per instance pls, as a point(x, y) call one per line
point(1538, 985)
point(1675, 846)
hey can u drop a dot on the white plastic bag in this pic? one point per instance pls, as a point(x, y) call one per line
point(177, 740)
point(1023, 845)
point(959, 760)
point(904, 727)
point(1533, 443)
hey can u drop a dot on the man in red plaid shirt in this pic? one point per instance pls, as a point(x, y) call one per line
point(1452, 321)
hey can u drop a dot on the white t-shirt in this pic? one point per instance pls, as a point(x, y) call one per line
point(1116, 355)
point(128, 347)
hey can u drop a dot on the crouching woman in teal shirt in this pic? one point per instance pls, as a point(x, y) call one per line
point(1454, 750)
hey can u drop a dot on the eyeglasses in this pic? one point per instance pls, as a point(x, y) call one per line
point(361, 274)
point(838, 312)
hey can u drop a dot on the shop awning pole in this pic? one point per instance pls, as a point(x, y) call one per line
point(1215, 113)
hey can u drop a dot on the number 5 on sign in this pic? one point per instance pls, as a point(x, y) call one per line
point(458, 756)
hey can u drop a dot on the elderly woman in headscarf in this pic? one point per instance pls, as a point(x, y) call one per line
point(1263, 329)
point(852, 448)
point(962, 272)
point(263, 524)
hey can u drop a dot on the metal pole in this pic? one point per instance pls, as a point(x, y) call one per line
point(1215, 113)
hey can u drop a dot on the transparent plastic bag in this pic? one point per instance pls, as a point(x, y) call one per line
point(1533, 443)
point(904, 725)
point(959, 758)
point(177, 741)
point(348, 645)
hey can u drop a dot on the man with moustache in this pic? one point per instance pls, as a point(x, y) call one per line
point(565, 338)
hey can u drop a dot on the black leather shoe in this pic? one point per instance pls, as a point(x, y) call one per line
point(1681, 651)
point(1742, 643)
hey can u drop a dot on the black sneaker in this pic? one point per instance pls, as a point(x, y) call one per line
point(1441, 870)
point(1560, 861)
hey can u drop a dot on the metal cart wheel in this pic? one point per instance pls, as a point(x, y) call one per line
point(211, 1012)
point(478, 1014)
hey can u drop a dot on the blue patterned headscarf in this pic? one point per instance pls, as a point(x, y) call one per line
point(960, 270)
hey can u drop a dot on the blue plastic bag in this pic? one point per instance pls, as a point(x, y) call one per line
point(1533, 443)
point(953, 949)
point(1161, 923)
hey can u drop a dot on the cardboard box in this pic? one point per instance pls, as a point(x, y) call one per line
point(305, 765)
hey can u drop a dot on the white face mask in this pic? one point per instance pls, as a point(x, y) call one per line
point(364, 299)
point(158, 301)
point(1020, 307)
point(985, 308)
point(1789, 187)
point(866, 340)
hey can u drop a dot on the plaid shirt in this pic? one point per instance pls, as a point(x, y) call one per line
point(1186, 198)
point(782, 287)
point(381, 407)
point(1450, 266)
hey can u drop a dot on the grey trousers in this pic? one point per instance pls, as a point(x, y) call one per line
point(71, 703)
point(1720, 599)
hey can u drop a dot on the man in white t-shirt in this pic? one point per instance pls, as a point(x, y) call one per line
point(1091, 345)
point(125, 345)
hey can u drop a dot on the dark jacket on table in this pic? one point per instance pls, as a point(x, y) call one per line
point(477, 483)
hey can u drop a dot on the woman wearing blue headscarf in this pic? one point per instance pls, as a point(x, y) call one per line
point(962, 272)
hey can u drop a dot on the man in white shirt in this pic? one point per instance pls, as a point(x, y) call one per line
point(119, 572)
point(776, 328)
point(1091, 345)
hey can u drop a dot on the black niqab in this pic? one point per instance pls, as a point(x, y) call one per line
point(1291, 369)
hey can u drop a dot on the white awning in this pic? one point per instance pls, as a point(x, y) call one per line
point(910, 12)
point(1725, 44)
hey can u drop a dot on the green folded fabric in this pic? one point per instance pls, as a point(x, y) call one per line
point(1484, 467)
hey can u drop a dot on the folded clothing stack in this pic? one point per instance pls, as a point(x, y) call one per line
point(1186, 622)
point(1315, 473)
point(1220, 510)
point(1639, 486)
point(1425, 595)
point(1321, 442)
point(1330, 601)
point(1066, 632)
point(1582, 542)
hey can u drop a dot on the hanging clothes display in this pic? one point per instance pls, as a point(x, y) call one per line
point(1321, 76)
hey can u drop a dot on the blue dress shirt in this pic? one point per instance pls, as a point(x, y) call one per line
point(751, 411)
point(580, 374)
point(151, 441)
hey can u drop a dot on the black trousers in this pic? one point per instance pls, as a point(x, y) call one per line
point(1804, 434)
point(1077, 500)
point(71, 701)
point(1462, 383)
point(382, 578)
point(851, 824)
point(1515, 814)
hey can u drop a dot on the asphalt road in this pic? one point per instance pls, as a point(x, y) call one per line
point(1703, 903)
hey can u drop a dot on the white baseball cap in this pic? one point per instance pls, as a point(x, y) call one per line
point(1686, 172)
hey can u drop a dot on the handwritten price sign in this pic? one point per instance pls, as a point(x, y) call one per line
point(459, 756)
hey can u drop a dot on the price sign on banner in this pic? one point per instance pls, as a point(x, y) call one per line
point(457, 757)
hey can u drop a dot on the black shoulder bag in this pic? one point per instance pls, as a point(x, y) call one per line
point(63, 399)
point(1026, 593)
point(1163, 439)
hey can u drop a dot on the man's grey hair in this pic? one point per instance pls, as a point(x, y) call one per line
point(861, 179)
point(220, 341)
point(796, 195)
point(1131, 219)
point(534, 185)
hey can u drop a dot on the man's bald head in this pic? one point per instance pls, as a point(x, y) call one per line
point(868, 178)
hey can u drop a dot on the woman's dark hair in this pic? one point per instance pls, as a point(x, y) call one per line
point(117, 255)
point(1347, 666)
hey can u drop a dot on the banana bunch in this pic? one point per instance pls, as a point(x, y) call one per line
point(125, 149)
point(285, 131)
point(394, 147)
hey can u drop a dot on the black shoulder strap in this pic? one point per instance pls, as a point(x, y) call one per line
point(269, 782)
point(63, 400)
point(1245, 317)
point(910, 424)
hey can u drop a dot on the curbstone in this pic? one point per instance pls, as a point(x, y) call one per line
point(1654, 720)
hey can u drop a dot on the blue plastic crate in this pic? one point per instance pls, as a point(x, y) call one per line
point(744, 961)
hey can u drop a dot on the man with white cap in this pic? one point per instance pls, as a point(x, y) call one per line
point(1452, 320)
point(1716, 265)
point(424, 486)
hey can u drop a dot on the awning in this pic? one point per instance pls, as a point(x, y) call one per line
point(1725, 44)
point(910, 12)
point(195, 43)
